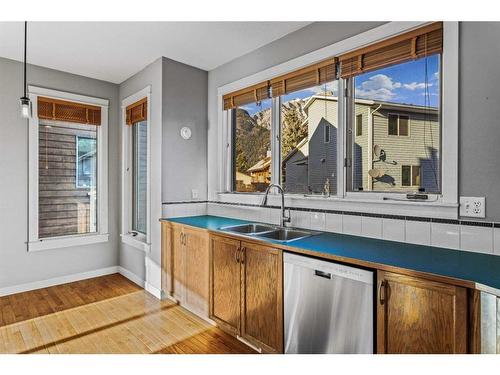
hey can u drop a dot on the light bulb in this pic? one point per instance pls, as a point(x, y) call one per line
point(25, 107)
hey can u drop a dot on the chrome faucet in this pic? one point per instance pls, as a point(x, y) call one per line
point(284, 218)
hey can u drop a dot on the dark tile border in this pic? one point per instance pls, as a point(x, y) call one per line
point(485, 224)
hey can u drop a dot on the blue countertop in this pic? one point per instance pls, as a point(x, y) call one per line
point(482, 269)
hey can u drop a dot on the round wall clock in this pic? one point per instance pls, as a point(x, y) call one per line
point(185, 132)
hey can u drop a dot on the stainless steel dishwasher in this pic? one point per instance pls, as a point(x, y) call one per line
point(328, 307)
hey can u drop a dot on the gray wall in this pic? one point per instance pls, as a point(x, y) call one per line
point(17, 266)
point(184, 162)
point(310, 38)
point(479, 147)
point(178, 98)
point(479, 171)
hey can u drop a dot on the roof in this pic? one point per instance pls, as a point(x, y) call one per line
point(261, 165)
point(302, 146)
point(371, 103)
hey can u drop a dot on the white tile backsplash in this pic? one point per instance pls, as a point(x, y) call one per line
point(418, 232)
point(393, 230)
point(496, 241)
point(351, 224)
point(317, 220)
point(333, 223)
point(301, 219)
point(445, 235)
point(371, 227)
point(478, 239)
point(464, 237)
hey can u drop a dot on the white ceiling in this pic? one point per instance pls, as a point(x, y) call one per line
point(114, 51)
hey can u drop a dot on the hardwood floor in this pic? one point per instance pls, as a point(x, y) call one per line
point(108, 314)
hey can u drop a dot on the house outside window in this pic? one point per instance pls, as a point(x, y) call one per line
point(402, 104)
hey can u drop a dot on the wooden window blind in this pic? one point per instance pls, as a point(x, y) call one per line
point(304, 78)
point(425, 41)
point(60, 110)
point(248, 95)
point(137, 111)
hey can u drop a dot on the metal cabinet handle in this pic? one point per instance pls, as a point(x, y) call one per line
point(236, 255)
point(381, 292)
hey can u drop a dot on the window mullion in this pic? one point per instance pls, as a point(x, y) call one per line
point(341, 145)
point(276, 141)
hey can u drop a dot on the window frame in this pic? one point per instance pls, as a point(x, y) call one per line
point(411, 174)
point(444, 205)
point(101, 235)
point(398, 125)
point(141, 241)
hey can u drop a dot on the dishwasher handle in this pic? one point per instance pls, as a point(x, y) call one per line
point(319, 273)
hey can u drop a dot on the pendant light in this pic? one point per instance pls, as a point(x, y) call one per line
point(24, 100)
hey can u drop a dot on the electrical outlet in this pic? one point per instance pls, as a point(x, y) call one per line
point(194, 194)
point(472, 207)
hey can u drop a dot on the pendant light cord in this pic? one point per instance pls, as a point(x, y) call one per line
point(25, 47)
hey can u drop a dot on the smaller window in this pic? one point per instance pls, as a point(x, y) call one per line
point(398, 125)
point(410, 175)
point(359, 125)
point(327, 133)
point(403, 125)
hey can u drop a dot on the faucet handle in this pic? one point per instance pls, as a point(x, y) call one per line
point(287, 218)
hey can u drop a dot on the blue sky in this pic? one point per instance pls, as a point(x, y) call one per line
point(402, 83)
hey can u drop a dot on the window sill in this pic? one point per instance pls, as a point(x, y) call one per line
point(67, 241)
point(138, 242)
point(356, 203)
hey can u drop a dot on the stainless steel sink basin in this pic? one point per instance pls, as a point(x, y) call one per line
point(252, 228)
point(286, 234)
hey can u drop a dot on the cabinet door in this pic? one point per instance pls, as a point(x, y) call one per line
point(178, 262)
point(262, 297)
point(416, 315)
point(196, 256)
point(166, 258)
point(225, 283)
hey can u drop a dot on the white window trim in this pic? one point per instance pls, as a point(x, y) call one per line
point(102, 235)
point(137, 240)
point(444, 205)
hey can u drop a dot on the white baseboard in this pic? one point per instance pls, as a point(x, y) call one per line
point(57, 281)
point(143, 284)
point(131, 276)
point(152, 290)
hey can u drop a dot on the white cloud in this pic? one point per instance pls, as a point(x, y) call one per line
point(416, 86)
point(378, 87)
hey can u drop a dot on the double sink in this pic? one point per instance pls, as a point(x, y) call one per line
point(270, 232)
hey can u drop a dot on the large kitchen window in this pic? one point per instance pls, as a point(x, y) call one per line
point(68, 192)
point(371, 120)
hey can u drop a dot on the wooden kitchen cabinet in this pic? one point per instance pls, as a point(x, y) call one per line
point(225, 283)
point(262, 296)
point(246, 291)
point(185, 257)
point(416, 315)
